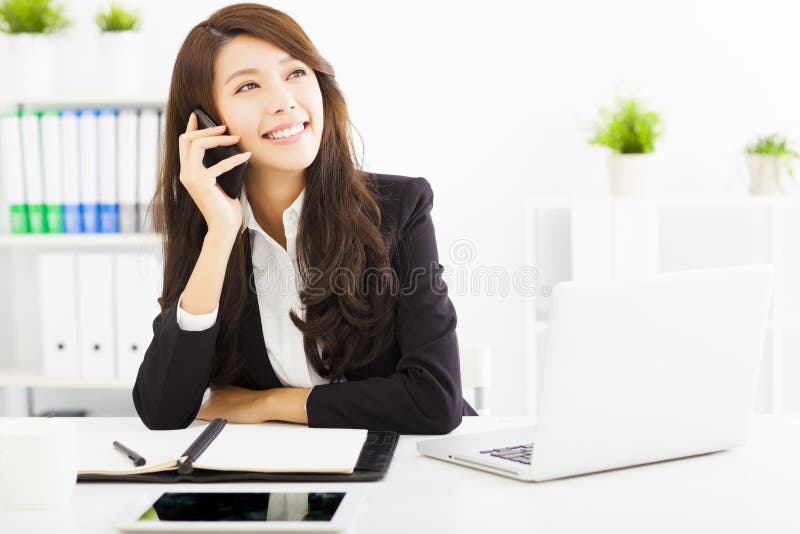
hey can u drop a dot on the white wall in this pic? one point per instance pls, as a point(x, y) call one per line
point(493, 101)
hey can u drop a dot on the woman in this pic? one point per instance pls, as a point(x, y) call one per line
point(363, 334)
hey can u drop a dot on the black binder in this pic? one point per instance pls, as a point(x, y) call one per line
point(372, 464)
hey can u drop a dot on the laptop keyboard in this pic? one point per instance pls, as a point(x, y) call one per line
point(515, 453)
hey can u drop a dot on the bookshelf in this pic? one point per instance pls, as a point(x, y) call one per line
point(80, 241)
point(152, 99)
point(21, 363)
point(596, 238)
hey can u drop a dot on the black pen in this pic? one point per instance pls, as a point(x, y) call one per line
point(138, 460)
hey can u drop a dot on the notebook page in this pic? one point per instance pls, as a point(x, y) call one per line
point(283, 448)
point(161, 448)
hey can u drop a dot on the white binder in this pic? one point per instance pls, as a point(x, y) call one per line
point(32, 169)
point(70, 171)
point(635, 229)
point(90, 188)
point(138, 286)
point(127, 161)
point(591, 227)
point(107, 170)
point(11, 179)
point(96, 314)
point(148, 165)
point(51, 160)
point(58, 307)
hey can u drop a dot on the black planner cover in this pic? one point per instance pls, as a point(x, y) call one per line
point(372, 464)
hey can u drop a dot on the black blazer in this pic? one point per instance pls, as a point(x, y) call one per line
point(413, 387)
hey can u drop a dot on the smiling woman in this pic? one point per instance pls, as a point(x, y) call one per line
point(357, 341)
point(253, 79)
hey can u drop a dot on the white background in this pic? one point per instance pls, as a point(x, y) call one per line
point(494, 101)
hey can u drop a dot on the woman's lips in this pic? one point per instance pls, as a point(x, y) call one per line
point(292, 138)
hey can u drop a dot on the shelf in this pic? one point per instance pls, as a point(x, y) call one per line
point(33, 376)
point(771, 325)
point(783, 325)
point(79, 240)
point(149, 99)
point(671, 201)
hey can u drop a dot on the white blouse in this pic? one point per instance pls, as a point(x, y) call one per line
point(277, 286)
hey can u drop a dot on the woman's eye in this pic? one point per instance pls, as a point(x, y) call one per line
point(245, 85)
point(254, 83)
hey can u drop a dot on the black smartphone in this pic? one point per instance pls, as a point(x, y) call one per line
point(230, 181)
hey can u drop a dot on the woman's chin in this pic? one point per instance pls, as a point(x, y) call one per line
point(268, 163)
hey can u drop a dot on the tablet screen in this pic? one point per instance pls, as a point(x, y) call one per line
point(244, 507)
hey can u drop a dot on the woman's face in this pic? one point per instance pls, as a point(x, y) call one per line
point(257, 88)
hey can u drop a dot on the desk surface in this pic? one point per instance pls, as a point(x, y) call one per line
point(750, 489)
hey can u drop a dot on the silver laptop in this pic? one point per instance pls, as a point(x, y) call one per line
point(635, 371)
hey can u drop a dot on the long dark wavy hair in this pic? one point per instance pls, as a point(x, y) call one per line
point(339, 230)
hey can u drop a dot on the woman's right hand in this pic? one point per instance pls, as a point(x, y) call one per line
point(222, 213)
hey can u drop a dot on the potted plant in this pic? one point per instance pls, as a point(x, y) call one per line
point(770, 163)
point(30, 25)
point(120, 49)
point(630, 131)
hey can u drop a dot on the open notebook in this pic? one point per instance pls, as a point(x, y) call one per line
point(263, 448)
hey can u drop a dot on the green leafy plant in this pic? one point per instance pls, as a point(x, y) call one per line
point(776, 145)
point(117, 19)
point(629, 128)
point(32, 16)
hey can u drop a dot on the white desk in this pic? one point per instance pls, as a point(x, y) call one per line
point(755, 488)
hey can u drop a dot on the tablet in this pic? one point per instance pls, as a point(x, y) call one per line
point(243, 512)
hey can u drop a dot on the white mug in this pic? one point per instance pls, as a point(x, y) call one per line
point(38, 462)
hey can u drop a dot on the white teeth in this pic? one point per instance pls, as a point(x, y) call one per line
point(287, 132)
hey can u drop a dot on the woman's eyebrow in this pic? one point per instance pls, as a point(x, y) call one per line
point(253, 70)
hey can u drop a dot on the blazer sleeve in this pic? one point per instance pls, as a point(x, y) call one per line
point(174, 374)
point(424, 395)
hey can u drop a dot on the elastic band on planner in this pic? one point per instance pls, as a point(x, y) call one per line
point(199, 445)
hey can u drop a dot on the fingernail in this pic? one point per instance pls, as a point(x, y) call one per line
point(246, 154)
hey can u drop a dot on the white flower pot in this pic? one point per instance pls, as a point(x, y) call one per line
point(769, 175)
point(121, 62)
point(631, 174)
point(32, 64)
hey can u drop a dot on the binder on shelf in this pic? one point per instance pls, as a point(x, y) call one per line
point(590, 243)
point(148, 165)
point(51, 160)
point(107, 170)
point(90, 188)
point(635, 225)
point(58, 306)
point(15, 213)
point(96, 314)
point(127, 162)
point(137, 280)
point(32, 170)
point(70, 171)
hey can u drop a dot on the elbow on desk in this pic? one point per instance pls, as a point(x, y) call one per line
point(444, 422)
point(446, 425)
point(156, 419)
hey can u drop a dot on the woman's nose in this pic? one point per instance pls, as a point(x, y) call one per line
point(280, 99)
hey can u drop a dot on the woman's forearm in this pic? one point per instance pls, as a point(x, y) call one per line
point(204, 288)
point(287, 404)
point(242, 405)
